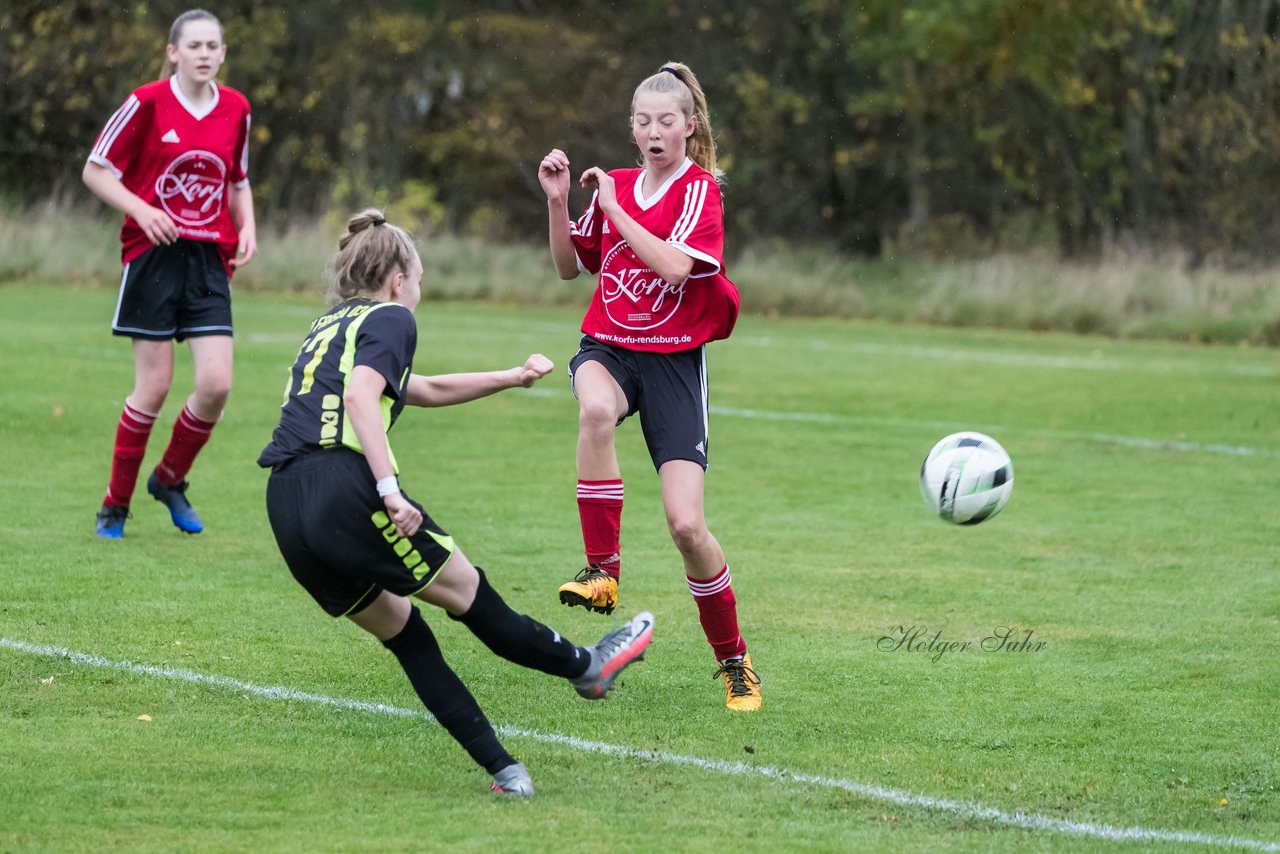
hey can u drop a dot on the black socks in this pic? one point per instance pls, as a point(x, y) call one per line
point(444, 695)
point(521, 639)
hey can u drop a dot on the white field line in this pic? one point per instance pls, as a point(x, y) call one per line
point(1093, 361)
point(1001, 429)
point(1098, 361)
point(1100, 438)
point(900, 797)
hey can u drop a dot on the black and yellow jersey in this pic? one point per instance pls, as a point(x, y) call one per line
point(379, 335)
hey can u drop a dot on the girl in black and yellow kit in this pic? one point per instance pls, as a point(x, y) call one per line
point(357, 543)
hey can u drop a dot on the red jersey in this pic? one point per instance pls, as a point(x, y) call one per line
point(179, 159)
point(633, 307)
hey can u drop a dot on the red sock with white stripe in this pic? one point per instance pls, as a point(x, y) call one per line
point(189, 435)
point(600, 509)
point(718, 613)
point(131, 445)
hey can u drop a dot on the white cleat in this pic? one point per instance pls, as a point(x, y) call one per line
point(612, 653)
point(514, 780)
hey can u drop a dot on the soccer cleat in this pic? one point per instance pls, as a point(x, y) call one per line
point(612, 653)
point(175, 498)
point(514, 780)
point(110, 522)
point(592, 588)
point(741, 685)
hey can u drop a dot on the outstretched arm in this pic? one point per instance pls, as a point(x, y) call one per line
point(448, 389)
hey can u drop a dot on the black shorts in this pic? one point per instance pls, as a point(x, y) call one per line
point(333, 531)
point(174, 292)
point(669, 390)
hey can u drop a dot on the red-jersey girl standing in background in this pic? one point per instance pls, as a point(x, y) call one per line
point(655, 237)
point(174, 160)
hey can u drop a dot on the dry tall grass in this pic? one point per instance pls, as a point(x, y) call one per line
point(1123, 295)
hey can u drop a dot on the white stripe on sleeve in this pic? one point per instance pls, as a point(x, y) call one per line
point(244, 154)
point(695, 196)
point(118, 121)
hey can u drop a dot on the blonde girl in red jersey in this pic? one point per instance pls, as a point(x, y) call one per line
point(654, 236)
point(174, 160)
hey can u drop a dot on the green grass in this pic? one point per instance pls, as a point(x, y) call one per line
point(1139, 545)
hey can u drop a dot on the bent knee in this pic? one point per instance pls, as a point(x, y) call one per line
point(213, 396)
point(688, 532)
point(596, 415)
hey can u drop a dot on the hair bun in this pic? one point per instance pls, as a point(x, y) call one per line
point(366, 219)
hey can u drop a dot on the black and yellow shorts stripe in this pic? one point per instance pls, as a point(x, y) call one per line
point(334, 534)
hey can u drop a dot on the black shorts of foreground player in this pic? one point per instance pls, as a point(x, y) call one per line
point(357, 543)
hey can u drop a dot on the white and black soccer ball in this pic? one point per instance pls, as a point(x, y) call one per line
point(966, 478)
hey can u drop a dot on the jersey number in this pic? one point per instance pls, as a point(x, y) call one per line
point(319, 345)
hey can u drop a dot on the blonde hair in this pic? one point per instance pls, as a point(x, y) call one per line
point(370, 251)
point(676, 78)
point(175, 35)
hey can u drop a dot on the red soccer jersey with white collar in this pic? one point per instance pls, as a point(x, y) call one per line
point(180, 159)
point(633, 307)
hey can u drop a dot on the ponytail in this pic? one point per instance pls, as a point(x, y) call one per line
point(676, 78)
point(370, 251)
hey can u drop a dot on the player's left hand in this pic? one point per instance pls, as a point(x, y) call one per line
point(535, 368)
point(246, 248)
point(406, 517)
point(604, 186)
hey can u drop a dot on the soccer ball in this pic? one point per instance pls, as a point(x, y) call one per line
point(966, 478)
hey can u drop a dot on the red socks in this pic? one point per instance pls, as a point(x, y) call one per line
point(600, 509)
point(718, 613)
point(131, 445)
point(189, 435)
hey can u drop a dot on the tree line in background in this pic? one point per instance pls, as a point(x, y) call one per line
point(934, 126)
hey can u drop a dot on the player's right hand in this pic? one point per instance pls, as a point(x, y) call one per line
point(553, 174)
point(156, 225)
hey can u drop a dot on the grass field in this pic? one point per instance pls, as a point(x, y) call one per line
point(1139, 548)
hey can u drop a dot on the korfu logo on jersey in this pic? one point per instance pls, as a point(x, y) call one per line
point(191, 188)
point(635, 297)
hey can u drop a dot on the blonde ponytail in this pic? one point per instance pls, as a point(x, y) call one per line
point(676, 78)
point(370, 251)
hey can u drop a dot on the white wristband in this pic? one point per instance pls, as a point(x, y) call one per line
point(388, 486)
